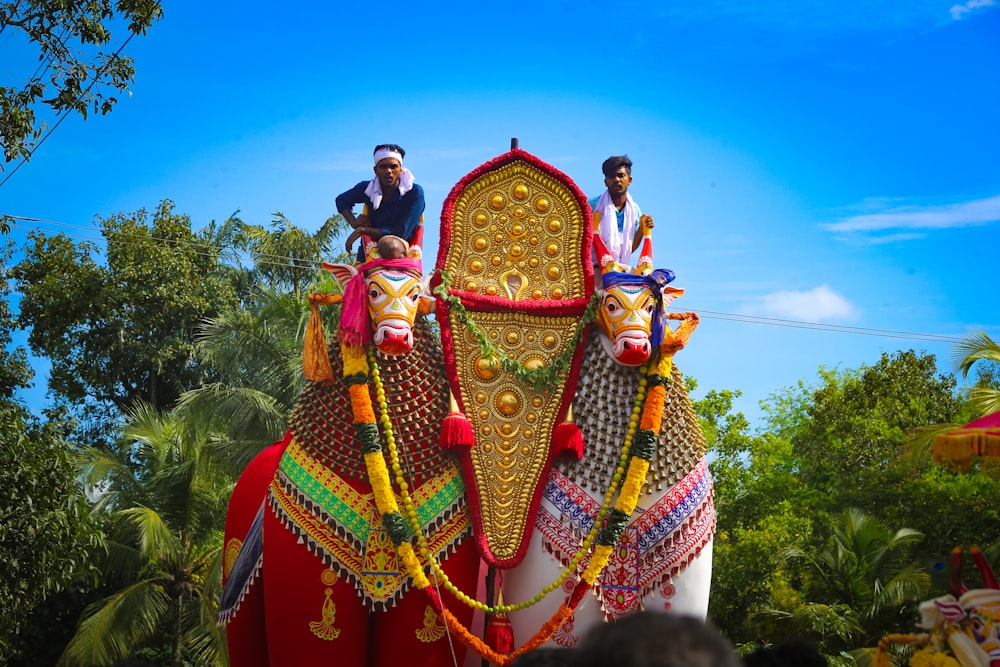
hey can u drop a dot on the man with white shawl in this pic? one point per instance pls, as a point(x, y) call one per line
point(616, 215)
point(393, 202)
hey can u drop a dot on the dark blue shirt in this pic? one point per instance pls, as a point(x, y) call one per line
point(399, 217)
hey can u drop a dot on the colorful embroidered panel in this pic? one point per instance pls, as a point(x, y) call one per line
point(341, 524)
point(659, 543)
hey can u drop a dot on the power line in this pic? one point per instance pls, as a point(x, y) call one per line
point(209, 250)
point(199, 248)
point(66, 112)
point(837, 328)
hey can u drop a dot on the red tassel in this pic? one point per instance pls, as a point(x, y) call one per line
point(568, 441)
point(567, 438)
point(456, 431)
point(500, 634)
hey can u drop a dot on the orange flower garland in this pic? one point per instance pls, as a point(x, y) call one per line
point(356, 373)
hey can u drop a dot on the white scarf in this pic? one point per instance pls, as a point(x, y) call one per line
point(374, 189)
point(619, 244)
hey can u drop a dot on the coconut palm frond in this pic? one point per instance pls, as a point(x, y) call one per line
point(111, 627)
point(977, 347)
point(985, 400)
point(156, 540)
point(908, 583)
point(238, 409)
point(918, 448)
point(145, 424)
point(121, 563)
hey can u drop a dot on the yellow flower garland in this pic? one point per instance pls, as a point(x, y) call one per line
point(356, 369)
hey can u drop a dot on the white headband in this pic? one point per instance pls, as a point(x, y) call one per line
point(383, 153)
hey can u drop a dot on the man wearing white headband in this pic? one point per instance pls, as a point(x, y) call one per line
point(616, 215)
point(392, 202)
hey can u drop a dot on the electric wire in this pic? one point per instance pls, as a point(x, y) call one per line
point(201, 249)
point(66, 112)
point(209, 250)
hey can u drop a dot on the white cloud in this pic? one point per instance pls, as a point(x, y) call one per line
point(893, 238)
point(959, 12)
point(820, 304)
point(963, 214)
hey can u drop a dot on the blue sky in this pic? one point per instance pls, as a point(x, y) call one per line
point(826, 162)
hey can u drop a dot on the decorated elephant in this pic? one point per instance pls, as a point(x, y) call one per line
point(349, 538)
point(318, 559)
point(663, 558)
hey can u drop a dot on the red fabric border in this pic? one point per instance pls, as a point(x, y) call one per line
point(514, 155)
point(486, 303)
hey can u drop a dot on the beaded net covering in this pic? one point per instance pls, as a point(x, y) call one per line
point(417, 397)
point(321, 492)
point(601, 408)
point(675, 515)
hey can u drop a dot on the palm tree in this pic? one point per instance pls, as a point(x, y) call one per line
point(256, 349)
point(865, 565)
point(984, 397)
point(258, 356)
point(980, 347)
point(164, 496)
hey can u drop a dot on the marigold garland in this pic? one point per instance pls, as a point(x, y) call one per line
point(357, 366)
point(881, 657)
point(361, 404)
point(541, 377)
point(651, 420)
point(928, 657)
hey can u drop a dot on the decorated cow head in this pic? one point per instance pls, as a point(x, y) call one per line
point(632, 312)
point(381, 299)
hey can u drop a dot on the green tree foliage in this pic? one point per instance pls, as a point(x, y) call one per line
point(286, 257)
point(15, 373)
point(165, 544)
point(73, 73)
point(224, 337)
point(856, 422)
point(868, 567)
point(256, 347)
point(258, 353)
point(983, 353)
point(824, 449)
point(48, 538)
point(123, 331)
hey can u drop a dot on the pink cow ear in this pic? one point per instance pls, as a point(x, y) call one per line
point(342, 272)
point(671, 294)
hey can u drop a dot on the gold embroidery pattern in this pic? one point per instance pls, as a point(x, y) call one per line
point(324, 628)
point(517, 233)
point(516, 243)
point(513, 421)
point(233, 547)
point(433, 629)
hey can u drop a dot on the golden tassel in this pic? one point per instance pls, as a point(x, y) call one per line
point(315, 359)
